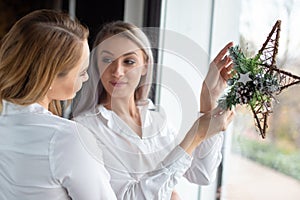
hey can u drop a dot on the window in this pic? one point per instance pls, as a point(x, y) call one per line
point(257, 168)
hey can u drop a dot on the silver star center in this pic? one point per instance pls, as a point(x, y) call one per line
point(244, 78)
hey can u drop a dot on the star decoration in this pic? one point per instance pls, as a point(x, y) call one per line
point(257, 80)
point(244, 78)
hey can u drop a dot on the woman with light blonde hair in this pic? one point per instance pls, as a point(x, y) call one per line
point(141, 150)
point(44, 60)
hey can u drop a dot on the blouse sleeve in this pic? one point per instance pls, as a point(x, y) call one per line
point(159, 183)
point(207, 157)
point(77, 168)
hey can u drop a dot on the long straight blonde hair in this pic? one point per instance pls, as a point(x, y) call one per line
point(39, 47)
point(136, 35)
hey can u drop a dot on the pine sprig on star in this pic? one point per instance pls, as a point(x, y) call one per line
point(250, 84)
point(242, 64)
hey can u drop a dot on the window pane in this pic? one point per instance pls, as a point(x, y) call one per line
point(256, 168)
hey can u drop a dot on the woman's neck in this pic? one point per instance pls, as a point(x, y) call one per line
point(122, 106)
point(44, 102)
point(127, 110)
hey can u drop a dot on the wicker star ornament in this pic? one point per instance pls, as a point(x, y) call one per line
point(257, 80)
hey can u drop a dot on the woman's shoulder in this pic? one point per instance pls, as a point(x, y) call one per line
point(60, 122)
point(62, 126)
point(87, 118)
point(65, 128)
point(71, 138)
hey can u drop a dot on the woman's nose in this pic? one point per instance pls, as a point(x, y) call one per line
point(117, 69)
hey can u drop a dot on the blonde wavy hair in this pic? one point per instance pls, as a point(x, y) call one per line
point(39, 47)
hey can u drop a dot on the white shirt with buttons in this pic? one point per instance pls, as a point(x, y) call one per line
point(151, 166)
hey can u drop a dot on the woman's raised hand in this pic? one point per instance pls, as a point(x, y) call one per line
point(215, 80)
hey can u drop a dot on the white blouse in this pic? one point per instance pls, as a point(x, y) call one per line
point(43, 156)
point(151, 166)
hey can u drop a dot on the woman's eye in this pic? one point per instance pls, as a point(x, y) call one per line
point(129, 62)
point(107, 60)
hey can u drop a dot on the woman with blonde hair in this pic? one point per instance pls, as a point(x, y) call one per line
point(44, 60)
point(140, 149)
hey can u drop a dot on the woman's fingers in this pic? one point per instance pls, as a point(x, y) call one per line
point(221, 118)
point(226, 73)
point(224, 63)
point(222, 53)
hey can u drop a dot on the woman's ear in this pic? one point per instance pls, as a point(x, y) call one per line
point(145, 69)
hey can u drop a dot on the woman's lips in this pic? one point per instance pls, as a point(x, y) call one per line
point(117, 83)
